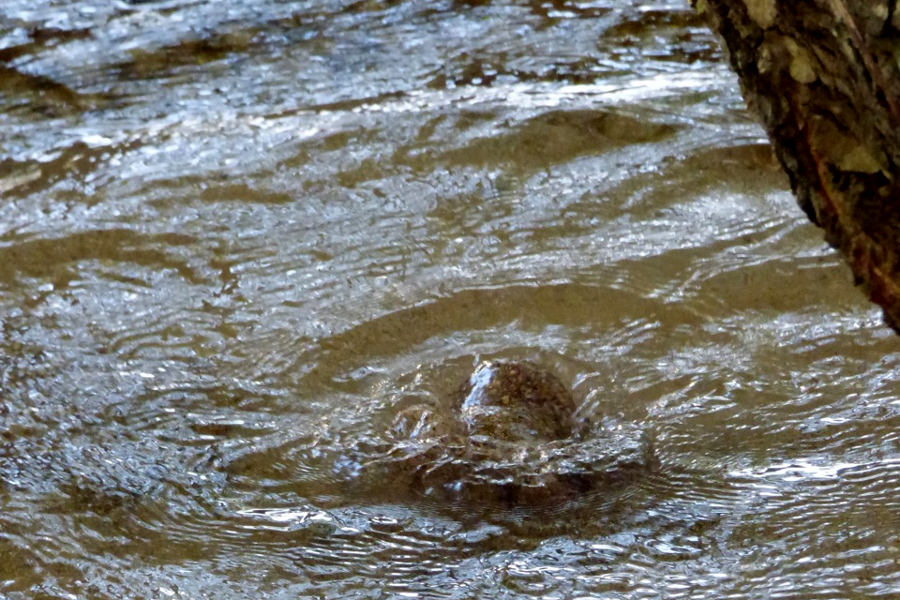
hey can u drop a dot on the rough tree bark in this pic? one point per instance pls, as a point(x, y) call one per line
point(823, 77)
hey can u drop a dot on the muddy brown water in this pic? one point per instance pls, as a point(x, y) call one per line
point(238, 239)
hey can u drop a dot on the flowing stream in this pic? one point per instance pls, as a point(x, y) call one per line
point(239, 239)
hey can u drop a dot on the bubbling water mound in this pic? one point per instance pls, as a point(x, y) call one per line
point(516, 401)
point(511, 438)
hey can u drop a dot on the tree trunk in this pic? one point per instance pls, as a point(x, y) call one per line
point(823, 77)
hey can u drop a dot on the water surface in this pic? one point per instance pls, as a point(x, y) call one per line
point(238, 238)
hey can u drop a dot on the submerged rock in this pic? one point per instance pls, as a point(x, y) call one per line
point(516, 401)
point(510, 436)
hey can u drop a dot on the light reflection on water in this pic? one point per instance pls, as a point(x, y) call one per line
point(240, 238)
